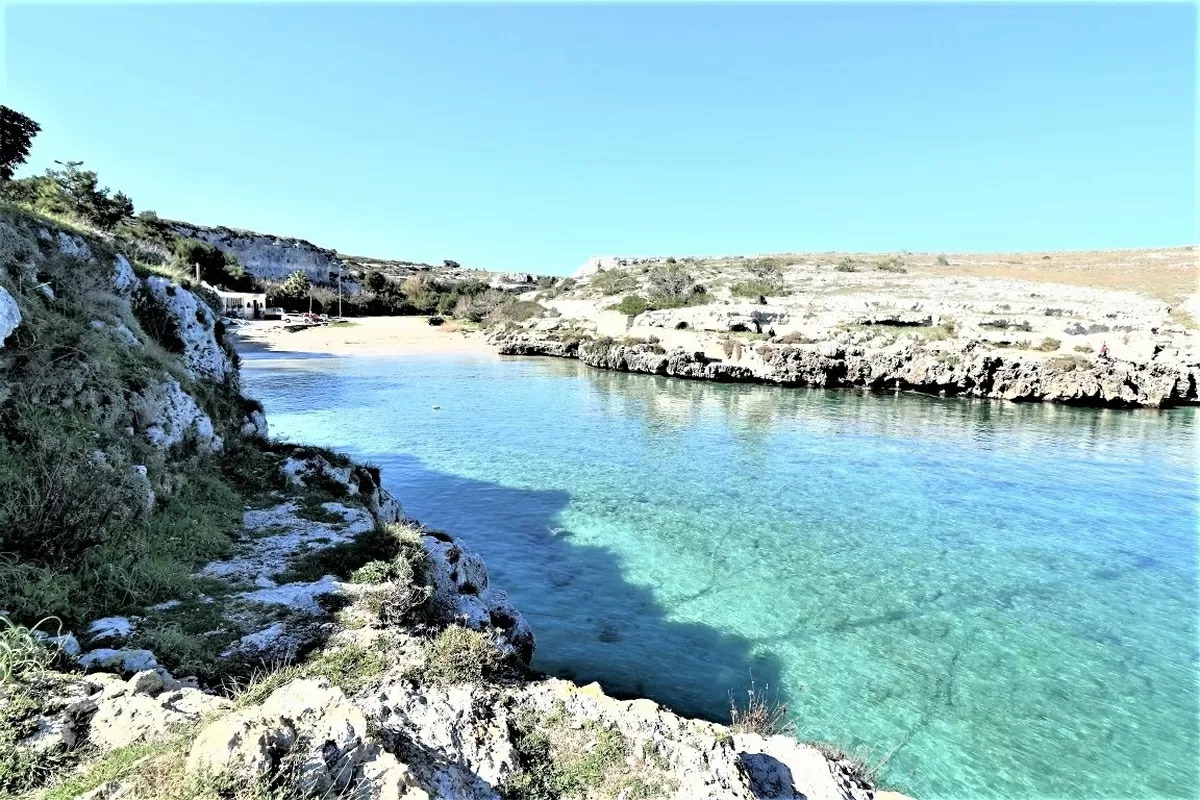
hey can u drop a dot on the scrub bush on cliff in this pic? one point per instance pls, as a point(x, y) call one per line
point(16, 136)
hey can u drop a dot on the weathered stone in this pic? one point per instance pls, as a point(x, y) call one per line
point(165, 414)
point(195, 325)
point(10, 315)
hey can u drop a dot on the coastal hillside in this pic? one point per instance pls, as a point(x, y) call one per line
point(194, 610)
point(1112, 328)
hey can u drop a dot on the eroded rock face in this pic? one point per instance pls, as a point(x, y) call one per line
point(303, 469)
point(312, 730)
point(124, 278)
point(274, 257)
point(969, 371)
point(195, 324)
point(73, 246)
point(10, 315)
point(165, 414)
point(462, 592)
point(254, 425)
point(741, 317)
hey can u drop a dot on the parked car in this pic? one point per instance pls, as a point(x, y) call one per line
point(435, 320)
point(295, 319)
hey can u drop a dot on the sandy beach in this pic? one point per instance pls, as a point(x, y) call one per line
point(383, 336)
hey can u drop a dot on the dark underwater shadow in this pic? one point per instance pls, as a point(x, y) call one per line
point(591, 623)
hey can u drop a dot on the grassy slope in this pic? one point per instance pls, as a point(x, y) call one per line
point(75, 540)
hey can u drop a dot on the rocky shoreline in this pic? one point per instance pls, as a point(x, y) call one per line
point(969, 371)
point(327, 645)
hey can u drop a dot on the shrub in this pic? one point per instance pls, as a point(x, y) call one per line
point(461, 655)
point(513, 310)
point(942, 262)
point(795, 337)
point(893, 264)
point(632, 305)
point(22, 655)
point(756, 289)
point(1068, 363)
point(474, 307)
point(1083, 348)
point(1049, 345)
point(670, 281)
point(613, 281)
point(762, 713)
point(217, 267)
point(845, 265)
point(765, 270)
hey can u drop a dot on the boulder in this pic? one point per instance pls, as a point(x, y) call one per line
point(10, 315)
point(307, 728)
point(125, 280)
point(124, 660)
point(463, 595)
point(74, 246)
point(254, 425)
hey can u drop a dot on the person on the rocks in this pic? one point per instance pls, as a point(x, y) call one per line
point(1104, 350)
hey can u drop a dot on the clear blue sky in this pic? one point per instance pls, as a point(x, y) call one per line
point(532, 137)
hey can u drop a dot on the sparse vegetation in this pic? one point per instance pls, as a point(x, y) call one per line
point(613, 281)
point(633, 305)
point(560, 759)
point(762, 712)
point(846, 265)
point(461, 655)
point(891, 264)
point(1049, 345)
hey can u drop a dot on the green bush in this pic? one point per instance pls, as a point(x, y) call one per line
point(613, 281)
point(461, 655)
point(1049, 345)
point(632, 305)
point(755, 289)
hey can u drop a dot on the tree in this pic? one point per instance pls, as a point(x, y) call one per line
point(296, 285)
point(217, 267)
point(77, 191)
point(670, 281)
point(375, 282)
point(16, 135)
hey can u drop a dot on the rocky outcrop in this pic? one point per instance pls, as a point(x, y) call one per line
point(73, 246)
point(323, 739)
point(125, 280)
point(255, 425)
point(740, 317)
point(195, 325)
point(969, 372)
point(10, 315)
point(273, 257)
point(166, 414)
point(462, 591)
point(304, 468)
point(108, 712)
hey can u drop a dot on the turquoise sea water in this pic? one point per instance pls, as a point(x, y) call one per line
point(1007, 594)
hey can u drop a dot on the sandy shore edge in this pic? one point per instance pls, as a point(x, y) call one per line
point(379, 336)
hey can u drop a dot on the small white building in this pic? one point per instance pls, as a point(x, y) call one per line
point(241, 305)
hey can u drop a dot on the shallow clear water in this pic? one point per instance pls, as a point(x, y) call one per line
point(1007, 594)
